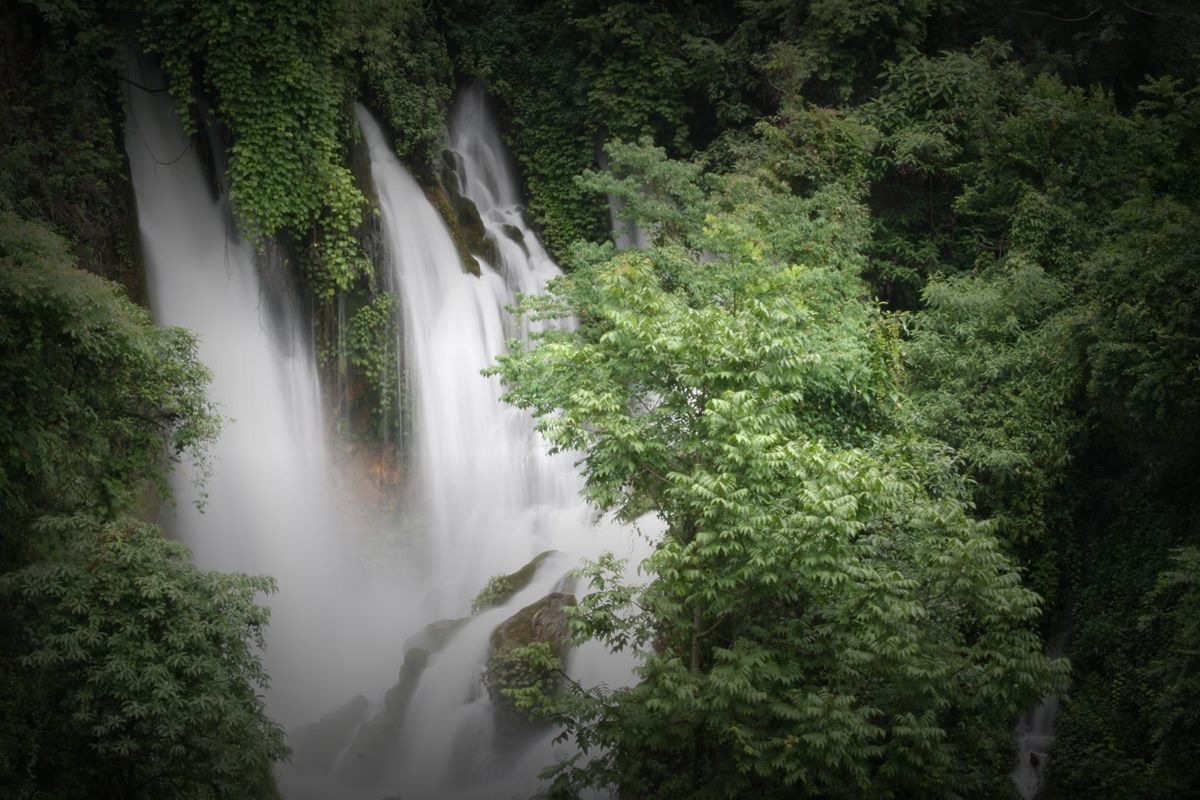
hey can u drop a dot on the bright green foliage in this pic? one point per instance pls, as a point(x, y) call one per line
point(94, 400)
point(824, 616)
point(268, 66)
point(660, 193)
point(371, 339)
point(139, 671)
point(493, 592)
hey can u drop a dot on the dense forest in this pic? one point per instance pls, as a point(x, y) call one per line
point(906, 359)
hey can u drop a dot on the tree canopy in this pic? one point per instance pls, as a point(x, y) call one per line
point(824, 616)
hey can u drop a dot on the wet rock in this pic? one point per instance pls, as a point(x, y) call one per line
point(368, 755)
point(436, 635)
point(517, 235)
point(462, 215)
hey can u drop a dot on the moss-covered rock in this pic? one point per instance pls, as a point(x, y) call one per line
point(466, 218)
point(500, 588)
point(541, 622)
point(441, 201)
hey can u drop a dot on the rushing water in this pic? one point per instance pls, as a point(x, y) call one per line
point(491, 495)
point(269, 508)
point(485, 496)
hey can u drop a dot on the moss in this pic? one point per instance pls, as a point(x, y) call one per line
point(434, 636)
point(500, 588)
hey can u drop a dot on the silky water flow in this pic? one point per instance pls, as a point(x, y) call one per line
point(484, 493)
point(268, 507)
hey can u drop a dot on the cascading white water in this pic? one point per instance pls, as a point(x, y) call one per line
point(269, 508)
point(490, 494)
point(494, 495)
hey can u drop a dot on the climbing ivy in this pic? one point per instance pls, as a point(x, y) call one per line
point(403, 70)
point(267, 67)
point(371, 347)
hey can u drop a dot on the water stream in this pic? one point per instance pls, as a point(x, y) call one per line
point(269, 508)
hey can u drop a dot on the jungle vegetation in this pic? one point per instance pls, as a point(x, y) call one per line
point(910, 368)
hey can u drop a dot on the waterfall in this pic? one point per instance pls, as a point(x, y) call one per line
point(269, 509)
point(491, 494)
point(485, 495)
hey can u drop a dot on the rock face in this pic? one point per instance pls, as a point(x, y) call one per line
point(462, 216)
point(316, 746)
point(436, 635)
point(541, 622)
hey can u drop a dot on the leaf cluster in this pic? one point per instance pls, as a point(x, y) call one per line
point(70, 440)
point(139, 667)
point(268, 69)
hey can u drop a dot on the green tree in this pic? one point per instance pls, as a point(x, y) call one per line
point(996, 366)
point(824, 616)
point(137, 673)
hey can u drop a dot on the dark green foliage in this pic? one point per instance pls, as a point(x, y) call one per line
point(95, 401)
point(60, 157)
point(371, 341)
point(1063, 369)
point(1143, 288)
point(996, 365)
point(404, 70)
point(1128, 728)
point(125, 671)
point(572, 75)
point(138, 672)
